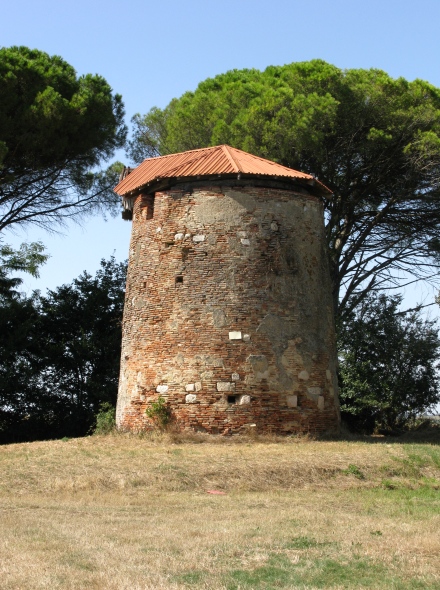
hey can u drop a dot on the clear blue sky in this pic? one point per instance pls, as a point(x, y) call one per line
point(151, 52)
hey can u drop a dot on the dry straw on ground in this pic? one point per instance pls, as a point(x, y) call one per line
point(124, 512)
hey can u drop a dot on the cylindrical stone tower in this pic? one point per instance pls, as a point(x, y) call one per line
point(228, 312)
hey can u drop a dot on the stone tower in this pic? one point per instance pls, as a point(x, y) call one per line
point(228, 311)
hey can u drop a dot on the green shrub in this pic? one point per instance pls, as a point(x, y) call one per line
point(105, 419)
point(159, 413)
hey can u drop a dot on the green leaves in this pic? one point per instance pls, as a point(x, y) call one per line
point(28, 258)
point(373, 140)
point(55, 128)
point(388, 363)
point(59, 356)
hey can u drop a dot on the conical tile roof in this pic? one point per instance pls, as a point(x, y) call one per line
point(221, 159)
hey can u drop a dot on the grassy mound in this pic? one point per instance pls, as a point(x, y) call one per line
point(125, 512)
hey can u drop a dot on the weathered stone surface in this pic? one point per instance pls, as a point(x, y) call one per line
point(292, 401)
point(191, 283)
point(259, 365)
point(219, 318)
point(314, 393)
point(235, 377)
point(190, 387)
point(225, 386)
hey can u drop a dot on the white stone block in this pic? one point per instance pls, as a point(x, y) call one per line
point(225, 386)
point(190, 387)
point(274, 226)
point(235, 377)
point(178, 237)
point(198, 386)
point(187, 236)
point(292, 401)
point(244, 399)
point(162, 388)
point(246, 337)
point(245, 242)
point(159, 229)
point(303, 375)
point(321, 402)
point(199, 238)
point(328, 375)
point(234, 335)
point(191, 398)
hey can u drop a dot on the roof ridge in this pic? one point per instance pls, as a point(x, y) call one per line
point(201, 162)
point(211, 147)
point(226, 150)
point(170, 170)
point(266, 161)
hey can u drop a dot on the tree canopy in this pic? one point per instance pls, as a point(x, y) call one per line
point(59, 355)
point(28, 259)
point(388, 364)
point(56, 129)
point(373, 140)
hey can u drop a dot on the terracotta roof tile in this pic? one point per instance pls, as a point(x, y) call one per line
point(221, 159)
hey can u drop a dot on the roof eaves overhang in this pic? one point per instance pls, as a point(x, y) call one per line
point(312, 185)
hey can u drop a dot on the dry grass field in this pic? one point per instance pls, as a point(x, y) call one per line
point(123, 512)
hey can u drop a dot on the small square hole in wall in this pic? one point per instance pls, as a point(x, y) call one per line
point(179, 279)
point(232, 399)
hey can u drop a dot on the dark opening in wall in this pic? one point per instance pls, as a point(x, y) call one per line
point(179, 279)
point(232, 399)
point(185, 253)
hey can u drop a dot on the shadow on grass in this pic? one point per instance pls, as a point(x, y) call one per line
point(428, 432)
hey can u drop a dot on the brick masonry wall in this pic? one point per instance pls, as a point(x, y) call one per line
point(228, 313)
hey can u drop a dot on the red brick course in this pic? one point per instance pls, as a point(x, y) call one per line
point(228, 312)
